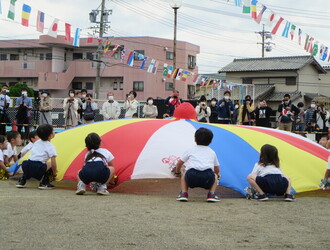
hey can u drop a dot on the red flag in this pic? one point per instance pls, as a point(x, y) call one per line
point(277, 25)
point(90, 40)
point(67, 32)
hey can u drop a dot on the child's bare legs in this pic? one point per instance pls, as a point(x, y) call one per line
point(252, 181)
point(111, 177)
point(184, 185)
point(288, 190)
point(215, 184)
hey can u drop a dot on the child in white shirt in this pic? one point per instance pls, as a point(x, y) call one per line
point(10, 154)
point(33, 137)
point(3, 170)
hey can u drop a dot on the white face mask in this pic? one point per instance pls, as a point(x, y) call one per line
point(110, 97)
point(150, 102)
point(313, 105)
point(71, 95)
point(6, 91)
point(44, 95)
point(236, 106)
point(213, 103)
point(83, 96)
point(227, 97)
point(24, 93)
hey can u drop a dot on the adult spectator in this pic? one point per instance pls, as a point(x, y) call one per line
point(300, 118)
point(285, 124)
point(45, 108)
point(81, 97)
point(225, 108)
point(310, 113)
point(214, 113)
point(131, 104)
point(149, 109)
point(23, 106)
point(110, 109)
point(234, 116)
point(320, 118)
point(172, 102)
point(262, 114)
point(5, 102)
point(70, 106)
point(203, 112)
point(89, 109)
point(246, 112)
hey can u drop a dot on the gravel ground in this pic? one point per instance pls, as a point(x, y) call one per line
point(145, 215)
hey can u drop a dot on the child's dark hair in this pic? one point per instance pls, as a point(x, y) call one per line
point(203, 136)
point(269, 156)
point(2, 139)
point(12, 135)
point(44, 131)
point(93, 142)
point(32, 134)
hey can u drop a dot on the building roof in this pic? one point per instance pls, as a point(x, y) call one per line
point(261, 91)
point(278, 96)
point(312, 96)
point(272, 64)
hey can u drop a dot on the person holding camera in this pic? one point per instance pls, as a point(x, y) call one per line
point(89, 108)
point(45, 108)
point(320, 117)
point(246, 112)
point(225, 108)
point(5, 102)
point(287, 111)
point(172, 102)
point(203, 112)
point(131, 104)
point(70, 106)
point(23, 106)
point(262, 114)
point(214, 113)
point(110, 109)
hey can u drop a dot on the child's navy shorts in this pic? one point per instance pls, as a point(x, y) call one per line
point(34, 169)
point(94, 171)
point(204, 179)
point(273, 184)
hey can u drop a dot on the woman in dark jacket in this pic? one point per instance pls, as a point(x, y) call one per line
point(214, 111)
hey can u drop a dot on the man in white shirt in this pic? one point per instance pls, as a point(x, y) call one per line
point(110, 109)
point(5, 102)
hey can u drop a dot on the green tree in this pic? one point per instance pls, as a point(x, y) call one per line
point(15, 90)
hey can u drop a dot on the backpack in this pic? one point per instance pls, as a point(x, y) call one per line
point(89, 113)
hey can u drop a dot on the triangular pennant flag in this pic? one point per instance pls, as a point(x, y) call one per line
point(165, 69)
point(285, 32)
point(67, 31)
point(130, 60)
point(155, 67)
point(277, 25)
point(259, 17)
point(76, 40)
point(247, 6)
point(26, 11)
point(254, 9)
point(292, 31)
point(184, 75)
point(40, 21)
point(113, 51)
point(52, 31)
point(315, 48)
point(11, 11)
point(151, 65)
point(169, 74)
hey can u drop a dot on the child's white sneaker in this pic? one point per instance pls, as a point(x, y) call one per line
point(81, 188)
point(102, 190)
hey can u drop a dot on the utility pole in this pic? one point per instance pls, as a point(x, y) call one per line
point(265, 37)
point(102, 28)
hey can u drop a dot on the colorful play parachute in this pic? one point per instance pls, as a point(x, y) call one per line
point(148, 148)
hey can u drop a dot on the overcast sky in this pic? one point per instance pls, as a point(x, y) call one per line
point(217, 26)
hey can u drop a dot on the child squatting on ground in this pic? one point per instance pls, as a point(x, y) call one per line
point(98, 168)
point(38, 166)
point(268, 178)
point(201, 167)
point(10, 154)
point(3, 170)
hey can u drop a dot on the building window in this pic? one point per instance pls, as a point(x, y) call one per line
point(77, 56)
point(3, 57)
point(191, 62)
point(77, 85)
point(89, 85)
point(25, 65)
point(247, 80)
point(49, 56)
point(115, 86)
point(290, 81)
point(90, 55)
point(136, 55)
point(14, 57)
point(121, 85)
point(138, 86)
point(41, 56)
point(168, 85)
point(169, 55)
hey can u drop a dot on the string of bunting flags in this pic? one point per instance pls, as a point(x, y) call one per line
point(290, 30)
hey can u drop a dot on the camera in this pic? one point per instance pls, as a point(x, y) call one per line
point(127, 95)
point(89, 99)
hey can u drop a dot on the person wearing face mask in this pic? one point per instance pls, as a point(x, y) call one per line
point(45, 108)
point(23, 106)
point(262, 114)
point(110, 109)
point(310, 113)
point(172, 102)
point(5, 102)
point(150, 110)
point(70, 106)
point(203, 112)
point(131, 104)
point(284, 120)
point(246, 112)
point(214, 113)
point(89, 109)
point(225, 108)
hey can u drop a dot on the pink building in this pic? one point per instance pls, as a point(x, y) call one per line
point(54, 64)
